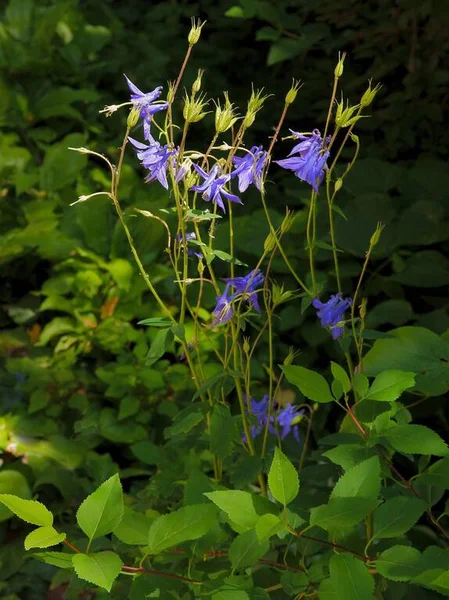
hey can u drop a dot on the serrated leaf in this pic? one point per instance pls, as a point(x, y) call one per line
point(399, 563)
point(188, 523)
point(437, 474)
point(341, 513)
point(156, 322)
point(389, 385)
point(269, 525)
point(396, 516)
point(361, 481)
point(283, 478)
point(416, 439)
point(222, 431)
point(29, 511)
point(102, 511)
point(311, 384)
point(133, 528)
point(62, 560)
point(43, 537)
point(243, 509)
point(341, 376)
point(159, 346)
point(246, 550)
point(351, 578)
point(101, 568)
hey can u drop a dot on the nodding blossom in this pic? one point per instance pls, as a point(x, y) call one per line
point(331, 313)
point(154, 157)
point(212, 189)
point(249, 168)
point(246, 288)
point(286, 418)
point(146, 102)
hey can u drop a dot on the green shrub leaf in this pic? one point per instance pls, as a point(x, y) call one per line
point(283, 478)
point(30, 511)
point(101, 568)
point(102, 511)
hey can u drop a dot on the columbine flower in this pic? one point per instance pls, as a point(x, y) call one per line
point(310, 164)
point(146, 102)
point(331, 313)
point(249, 168)
point(259, 412)
point(247, 286)
point(188, 237)
point(155, 158)
point(288, 419)
point(213, 187)
point(223, 311)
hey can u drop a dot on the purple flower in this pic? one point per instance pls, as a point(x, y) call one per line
point(146, 102)
point(310, 162)
point(331, 313)
point(288, 419)
point(259, 411)
point(247, 287)
point(188, 237)
point(155, 158)
point(223, 311)
point(213, 187)
point(249, 168)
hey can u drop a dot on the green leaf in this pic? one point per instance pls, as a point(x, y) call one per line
point(361, 384)
point(396, 516)
point(101, 568)
point(62, 560)
point(156, 322)
point(399, 563)
point(389, 385)
point(38, 400)
point(222, 431)
point(351, 578)
point(44, 537)
point(269, 525)
point(361, 481)
point(246, 550)
point(225, 257)
point(14, 483)
point(230, 594)
point(341, 513)
point(243, 509)
point(416, 439)
point(30, 511)
point(159, 346)
point(188, 523)
point(341, 376)
point(235, 12)
point(413, 349)
point(348, 455)
point(61, 166)
point(283, 478)
point(311, 384)
point(133, 528)
point(437, 474)
point(102, 511)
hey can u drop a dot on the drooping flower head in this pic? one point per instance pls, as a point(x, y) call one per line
point(223, 311)
point(247, 287)
point(308, 158)
point(155, 158)
point(212, 189)
point(288, 419)
point(146, 102)
point(249, 168)
point(188, 237)
point(259, 414)
point(331, 313)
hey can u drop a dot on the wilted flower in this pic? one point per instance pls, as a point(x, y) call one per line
point(146, 101)
point(331, 313)
point(310, 164)
point(213, 187)
point(249, 168)
point(247, 286)
point(155, 158)
point(288, 419)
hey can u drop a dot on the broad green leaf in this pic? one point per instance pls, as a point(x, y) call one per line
point(101, 568)
point(283, 478)
point(361, 384)
point(246, 550)
point(61, 166)
point(351, 578)
point(62, 560)
point(389, 385)
point(186, 420)
point(243, 509)
point(416, 439)
point(341, 513)
point(222, 431)
point(13, 483)
point(437, 474)
point(399, 563)
point(396, 516)
point(30, 511)
point(349, 455)
point(311, 384)
point(102, 511)
point(269, 525)
point(43, 537)
point(413, 349)
point(230, 594)
point(133, 528)
point(159, 345)
point(341, 376)
point(188, 523)
point(361, 481)
point(326, 590)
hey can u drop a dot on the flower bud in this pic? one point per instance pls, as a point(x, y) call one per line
point(338, 184)
point(269, 243)
point(338, 71)
point(344, 116)
point(170, 92)
point(195, 31)
point(246, 346)
point(197, 83)
point(362, 309)
point(287, 221)
point(376, 235)
point(194, 109)
point(369, 95)
point(292, 92)
point(290, 356)
point(225, 116)
point(255, 103)
point(133, 117)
